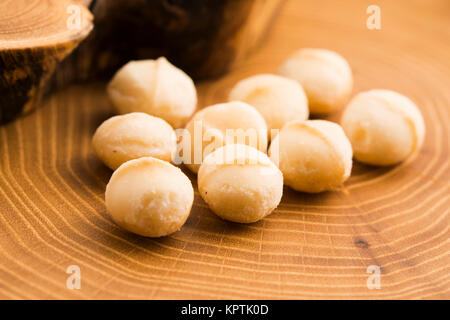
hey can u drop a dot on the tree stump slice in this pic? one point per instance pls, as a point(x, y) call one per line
point(34, 38)
point(313, 246)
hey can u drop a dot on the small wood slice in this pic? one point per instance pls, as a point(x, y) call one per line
point(35, 35)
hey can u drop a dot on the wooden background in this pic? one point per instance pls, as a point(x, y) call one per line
point(52, 211)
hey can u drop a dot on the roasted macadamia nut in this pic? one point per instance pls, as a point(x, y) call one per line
point(383, 126)
point(155, 87)
point(221, 124)
point(149, 197)
point(325, 76)
point(240, 183)
point(313, 155)
point(131, 136)
point(278, 99)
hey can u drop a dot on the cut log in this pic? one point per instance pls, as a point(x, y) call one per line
point(204, 38)
point(35, 35)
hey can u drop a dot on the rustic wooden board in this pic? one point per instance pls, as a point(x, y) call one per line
point(52, 211)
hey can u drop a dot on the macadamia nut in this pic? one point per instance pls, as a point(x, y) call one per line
point(155, 87)
point(240, 183)
point(314, 155)
point(221, 124)
point(383, 126)
point(325, 76)
point(149, 197)
point(278, 99)
point(131, 136)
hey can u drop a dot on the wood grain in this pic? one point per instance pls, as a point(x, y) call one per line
point(52, 211)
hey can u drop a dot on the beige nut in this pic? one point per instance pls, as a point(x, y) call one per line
point(314, 155)
point(240, 183)
point(131, 136)
point(149, 197)
point(325, 76)
point(155, 87)
point(221, 124)
point(383, 126)
point(278, 99)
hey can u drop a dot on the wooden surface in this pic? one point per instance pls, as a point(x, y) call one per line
point(52, 211)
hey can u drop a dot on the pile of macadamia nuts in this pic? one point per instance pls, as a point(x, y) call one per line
point(246, 149)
